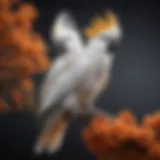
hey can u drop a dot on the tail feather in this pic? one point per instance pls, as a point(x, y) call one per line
point(52, 136)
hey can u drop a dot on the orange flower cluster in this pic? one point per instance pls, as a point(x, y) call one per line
point(18, 97)
point(123, 138)
point(23, 52)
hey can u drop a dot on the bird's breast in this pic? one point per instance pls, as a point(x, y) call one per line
point(96, 70)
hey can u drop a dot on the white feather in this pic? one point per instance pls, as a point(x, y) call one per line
point(69, 69)
point(65, 32)
point(62, 78)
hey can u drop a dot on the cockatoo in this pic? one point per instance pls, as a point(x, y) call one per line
point(76, 77)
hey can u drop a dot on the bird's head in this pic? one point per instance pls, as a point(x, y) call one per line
point(104, 30)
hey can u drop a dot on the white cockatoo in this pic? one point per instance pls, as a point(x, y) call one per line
point(76, 77)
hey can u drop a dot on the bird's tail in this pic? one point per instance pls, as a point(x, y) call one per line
point(53, 133)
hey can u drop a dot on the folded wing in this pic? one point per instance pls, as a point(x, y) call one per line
point(64, 32)
point(60, 80)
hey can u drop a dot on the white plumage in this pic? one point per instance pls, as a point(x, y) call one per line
point(74, 80)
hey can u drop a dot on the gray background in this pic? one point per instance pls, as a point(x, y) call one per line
point(134, 85)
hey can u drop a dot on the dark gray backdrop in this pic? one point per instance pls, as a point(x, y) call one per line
point(134, 85)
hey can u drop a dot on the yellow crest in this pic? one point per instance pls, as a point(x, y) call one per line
point(99, 24)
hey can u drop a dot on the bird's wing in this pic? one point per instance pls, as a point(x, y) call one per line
point(61, 79)
point(57, 68)
point(64, 32)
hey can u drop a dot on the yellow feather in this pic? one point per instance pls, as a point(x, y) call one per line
point(100, 24)
point(89, 32)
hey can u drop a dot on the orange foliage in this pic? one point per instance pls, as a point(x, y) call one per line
point(23, 52)
point(22, 95)
point(123, 138)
